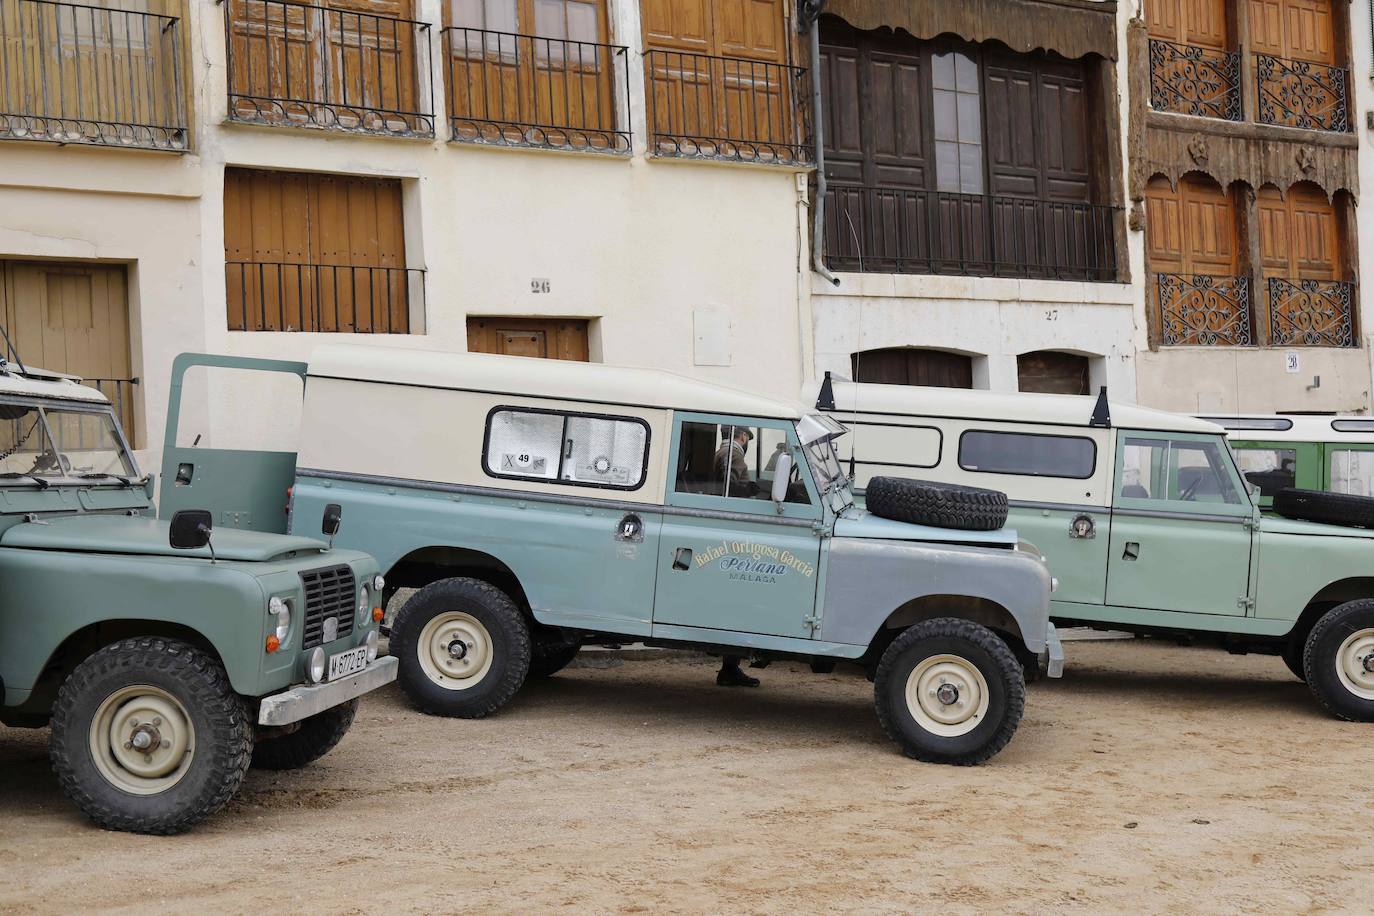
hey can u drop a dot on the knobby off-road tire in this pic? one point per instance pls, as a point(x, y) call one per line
point(551, 649)
point(949, 691)
point(1330, 508)
point(155, 690)
point(463, 648)
point(944, 505)
point(317, 736)
point(1339, 661)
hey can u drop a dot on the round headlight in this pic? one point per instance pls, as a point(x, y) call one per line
point(378, 584)
point(364, 606)
point(280, 609)
point(370, 640)
point(314, 665)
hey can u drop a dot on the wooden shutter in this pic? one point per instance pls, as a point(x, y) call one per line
point(549, 338)
point(299, 248)
point(1189, 22)
point(372, 60)
point(679, 25)
point(1051, 372)
point(1191, 230)
point(1299, 235)
point(911, 366)
point(1297, 29)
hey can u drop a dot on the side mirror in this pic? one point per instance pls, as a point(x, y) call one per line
point(150, 485)
point(333, 518)
point(190, 529)
point(782, 476)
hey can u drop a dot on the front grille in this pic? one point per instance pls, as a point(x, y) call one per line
point(328, 593)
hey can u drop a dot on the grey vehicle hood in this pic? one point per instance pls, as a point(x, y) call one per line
point(860, 523)
point(148, 536)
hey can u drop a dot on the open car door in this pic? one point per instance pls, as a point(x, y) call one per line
point(242, 486)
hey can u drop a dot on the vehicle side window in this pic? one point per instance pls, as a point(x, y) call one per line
point(578, 449)
point(1270, 469)
point(1352, 471)
point(1031, 454)
point(733, 461)
point(1175, 470)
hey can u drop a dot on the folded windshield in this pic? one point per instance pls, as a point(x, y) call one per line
point(47, 442)
point(818, 434)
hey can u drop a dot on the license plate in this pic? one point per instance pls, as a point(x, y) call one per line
point(343, 664)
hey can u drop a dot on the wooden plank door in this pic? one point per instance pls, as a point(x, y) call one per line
point(371, 48)
point(913, 366)
point(1052, 372)
point(1300, 236)
point(1295, 29)
point(548, 338)
point(1191, 230)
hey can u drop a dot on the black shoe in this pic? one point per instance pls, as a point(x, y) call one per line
point(733, 677)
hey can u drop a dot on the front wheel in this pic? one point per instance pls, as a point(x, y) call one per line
point(1339, 661)
point(463, 648)
point(148, 736)
point(949, 691)
point(313, 738)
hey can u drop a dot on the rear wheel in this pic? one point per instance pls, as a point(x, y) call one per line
point(1339, 661)
point(463, 648)
point(949, 691)
point(315, 737)
point(148, 736)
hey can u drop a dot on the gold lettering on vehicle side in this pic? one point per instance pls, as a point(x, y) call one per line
point(744, 555)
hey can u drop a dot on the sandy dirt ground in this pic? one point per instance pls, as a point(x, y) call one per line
point(1152, 778)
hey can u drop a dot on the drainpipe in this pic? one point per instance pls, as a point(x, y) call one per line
point(810, 12)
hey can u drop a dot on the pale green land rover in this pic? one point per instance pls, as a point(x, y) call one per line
point(166, 656)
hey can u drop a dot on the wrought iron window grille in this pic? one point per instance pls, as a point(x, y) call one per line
point(1204, 310)
point(1312, 313)
point(511, 89)
point(1194, 80)
point(703, 106)
point(1297, 93)
point(81, 74)
point(298, 65)
point(912, 231)
point(287, 296)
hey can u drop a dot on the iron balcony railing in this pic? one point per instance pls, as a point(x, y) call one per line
point(71, 73)
point(899, 230)
point(120, 391)
point(284, 296)
point(1193, 80)
point(297, 65)
point(508, 89)
point(707, 107)
point(1297, 93)
point(1312, 313)
point(1204, 310)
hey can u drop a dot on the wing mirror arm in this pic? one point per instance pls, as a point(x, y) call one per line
point(332, 521)
point(191, 529)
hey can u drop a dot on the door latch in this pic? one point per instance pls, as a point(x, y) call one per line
point(1132, 550)
point(682, 559)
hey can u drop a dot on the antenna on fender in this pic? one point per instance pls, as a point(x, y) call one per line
point(1102, 411)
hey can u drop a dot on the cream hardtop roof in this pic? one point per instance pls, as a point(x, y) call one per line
point(1260, 427)
point(40, 383)
point(962, 403)
point(560, 380)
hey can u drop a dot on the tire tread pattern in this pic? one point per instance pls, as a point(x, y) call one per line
point(1314, 660)
point(943, 505)
point(317, 736)
point(1327, 508)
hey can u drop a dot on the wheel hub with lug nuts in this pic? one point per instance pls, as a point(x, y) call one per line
point(455, 650)
point(1355, 663)
point(142, 740)
point(947, 695)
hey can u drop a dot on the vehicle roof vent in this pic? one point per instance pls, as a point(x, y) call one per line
point(1102, 411)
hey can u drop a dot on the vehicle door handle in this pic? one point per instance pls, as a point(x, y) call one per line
point(1132, 550)
point(185, 471)
point(682, 558)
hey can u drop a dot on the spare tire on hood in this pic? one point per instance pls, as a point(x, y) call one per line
point(943, 505)
point(1321, 506)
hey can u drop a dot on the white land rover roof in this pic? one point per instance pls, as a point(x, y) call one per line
point(561, 380)
point(962, 403)
point(1297, 427)
point(40, 383)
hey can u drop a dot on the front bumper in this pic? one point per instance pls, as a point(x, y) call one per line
point(1054, 653)
point(303, 702)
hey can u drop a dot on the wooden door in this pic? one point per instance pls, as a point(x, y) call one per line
point(1295, 29)
point(73, 318)
point(1191, 230)
point(913, 366)
point(371, 49)
point(548, 338)
point(1201, 23)
point(1051, 372)
point(1300, 236)
point(305, 251)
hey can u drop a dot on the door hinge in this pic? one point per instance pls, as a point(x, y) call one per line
point(811, 621)
point(1245, 603)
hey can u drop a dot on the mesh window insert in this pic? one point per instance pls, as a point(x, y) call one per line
point(521, 444)
point(609, 452)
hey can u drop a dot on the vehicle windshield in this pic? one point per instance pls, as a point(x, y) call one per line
point(52, 442)
point(818, 433)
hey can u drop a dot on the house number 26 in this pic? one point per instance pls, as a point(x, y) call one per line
point(539, 285)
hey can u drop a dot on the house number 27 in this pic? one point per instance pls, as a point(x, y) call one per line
point(539, 285)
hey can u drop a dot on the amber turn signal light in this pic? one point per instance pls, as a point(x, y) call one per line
point(377, 614)
point(273, 643)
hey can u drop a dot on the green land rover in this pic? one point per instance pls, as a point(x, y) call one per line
point(167, 657)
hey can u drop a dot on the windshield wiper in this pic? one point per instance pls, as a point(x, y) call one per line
point(15, 475)
point(100, 475)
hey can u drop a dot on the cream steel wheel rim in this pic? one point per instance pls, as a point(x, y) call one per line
point(947, 695)
point(1355, 663)
point(455, 650)
point(142, 740)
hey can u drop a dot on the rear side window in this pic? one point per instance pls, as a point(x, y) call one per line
point(586, 450)
point(1030, 454)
